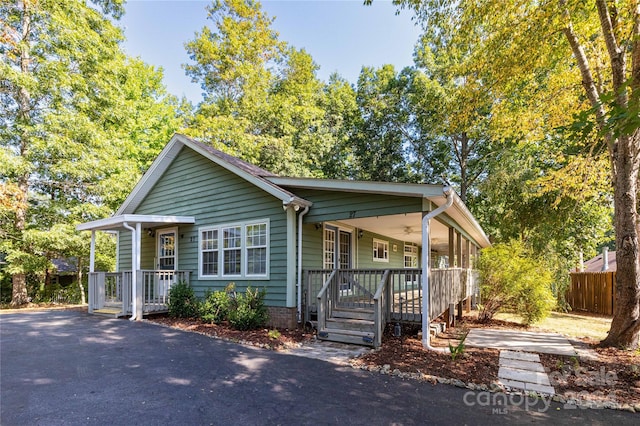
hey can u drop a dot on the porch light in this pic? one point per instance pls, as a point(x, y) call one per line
point(360, 233)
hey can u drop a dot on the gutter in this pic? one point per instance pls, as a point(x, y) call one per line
point(426, 267)
point(299, 285)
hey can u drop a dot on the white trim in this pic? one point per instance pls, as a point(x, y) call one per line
point(201, 230)
point(291, 258)
point(243, 250)
point(386, 188)
point(173, 229)
point(116, 222)
point(385, 248)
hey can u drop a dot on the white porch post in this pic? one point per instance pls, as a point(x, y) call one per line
point(138, 282)
point(92, 254)
point(92, 267)
point(291, 256)
point(134, 262)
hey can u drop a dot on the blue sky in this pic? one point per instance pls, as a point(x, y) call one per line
point(341, 36)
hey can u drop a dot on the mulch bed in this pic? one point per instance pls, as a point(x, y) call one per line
point(286, 338)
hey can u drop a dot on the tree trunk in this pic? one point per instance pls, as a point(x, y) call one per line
point(19, 281)
point(625, 327)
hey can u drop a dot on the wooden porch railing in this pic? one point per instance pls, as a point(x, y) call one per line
point(114, 290)
point(356, 288)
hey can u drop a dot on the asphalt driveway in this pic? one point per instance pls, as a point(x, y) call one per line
point(67, 367)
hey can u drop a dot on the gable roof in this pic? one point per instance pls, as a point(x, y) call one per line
point(252, 174)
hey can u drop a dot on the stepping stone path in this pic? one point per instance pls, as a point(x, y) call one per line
point(523, 370)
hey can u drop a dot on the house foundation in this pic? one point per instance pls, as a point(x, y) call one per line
point(280, 317)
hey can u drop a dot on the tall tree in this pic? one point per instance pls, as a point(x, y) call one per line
point(532, 50)
point(77, 120)
point(262, 99)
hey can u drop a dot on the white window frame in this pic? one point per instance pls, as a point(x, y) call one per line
point(243, 250)
point(412, 253)
point(246, 248)
point(385, 244)
point(201, 252)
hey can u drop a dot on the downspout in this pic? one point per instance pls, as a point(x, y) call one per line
point(134, 250)
point(300, 216)
point(426, 268)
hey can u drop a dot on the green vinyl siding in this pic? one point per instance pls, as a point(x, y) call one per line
point(365, 252)
point(311, 246)
point(333, 205)
point(195, 186)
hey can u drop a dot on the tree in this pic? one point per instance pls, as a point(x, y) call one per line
point(79, 122)
point(262, 99)
point(527, 51)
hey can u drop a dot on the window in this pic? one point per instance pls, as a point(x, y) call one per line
point(329, 248)
point(410, 255)
point(380, 251)
point(237, 250)
point(232, 250)
point(209, 250)
point(257, 249)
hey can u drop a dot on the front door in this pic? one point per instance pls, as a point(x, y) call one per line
point(166, 262)
point(337, 248)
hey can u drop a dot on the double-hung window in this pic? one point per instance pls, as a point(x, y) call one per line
point(234, 250)
point(380, 251)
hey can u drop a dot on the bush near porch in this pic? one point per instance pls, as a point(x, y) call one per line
point(512, 279)
point(243, 311)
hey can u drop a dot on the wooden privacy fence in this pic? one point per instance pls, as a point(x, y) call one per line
point(592, 292)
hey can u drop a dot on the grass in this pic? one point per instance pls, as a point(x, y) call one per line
point(569, 324)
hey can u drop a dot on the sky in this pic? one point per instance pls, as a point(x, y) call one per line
point(340, 35)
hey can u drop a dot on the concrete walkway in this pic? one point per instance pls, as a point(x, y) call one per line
point(335, 353)
point(525, 341)
point(522, 370)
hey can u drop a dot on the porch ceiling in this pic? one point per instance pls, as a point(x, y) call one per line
point(404, 227)
point(147, 221)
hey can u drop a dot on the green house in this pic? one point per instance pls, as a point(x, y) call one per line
point(346, 256)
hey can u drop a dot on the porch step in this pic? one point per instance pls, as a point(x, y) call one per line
point(347, 336)
point(353, 313)
point(353, 324)
point(109, 312)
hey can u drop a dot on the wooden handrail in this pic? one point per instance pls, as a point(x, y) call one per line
point(325, 286)
point(322, 302)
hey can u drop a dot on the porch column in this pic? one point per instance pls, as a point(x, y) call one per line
point(452, 253)
point(466, 262)
point(92, 252)
point(92, 267)
point(138, 281)
point(291, 257)
point(458, 249)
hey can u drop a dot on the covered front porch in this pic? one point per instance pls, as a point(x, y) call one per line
point(135, 291)
point(112, 293)
point(354, 306)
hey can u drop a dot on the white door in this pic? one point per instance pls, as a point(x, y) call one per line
point(166, 262)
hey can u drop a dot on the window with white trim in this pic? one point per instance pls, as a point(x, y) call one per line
point(256, 249)
point(410, 255)
point(380, 251)
point(209, 252)
point(234, 250)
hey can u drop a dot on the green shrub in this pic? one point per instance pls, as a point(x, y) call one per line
point(215, 307)
point(248, 310)
point(512, 279)
point(182, 301)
